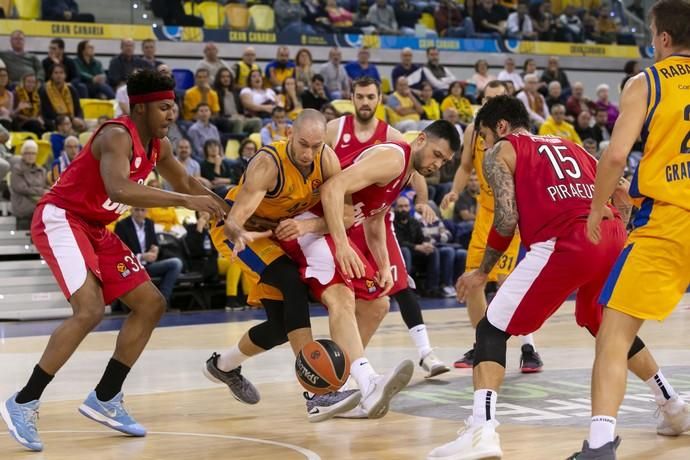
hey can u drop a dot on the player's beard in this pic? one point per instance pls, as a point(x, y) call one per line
point(364, 119)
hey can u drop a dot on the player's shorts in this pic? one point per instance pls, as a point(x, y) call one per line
point(651, 275)
point(475, 253)
point(550, 272)
point(254, 259)
point(72, 247)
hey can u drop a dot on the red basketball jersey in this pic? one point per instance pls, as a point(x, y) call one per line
point(554, 185)
point(347, 144)
point(80, 187)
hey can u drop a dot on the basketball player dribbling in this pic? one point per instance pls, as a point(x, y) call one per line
point(91, 264)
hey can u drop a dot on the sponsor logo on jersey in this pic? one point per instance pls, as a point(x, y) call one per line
point(315, 184)
point(371, 287)
point(123, 270)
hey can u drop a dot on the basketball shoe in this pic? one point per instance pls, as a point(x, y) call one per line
point(475, 441)
point(432, 365)
point(382, 388)
point(323, 407)
point(467, 360)
point(111, 414)
point(673, 424)
point(530, 361)
point(240, 388)
point(21, 421)
point(605, 452)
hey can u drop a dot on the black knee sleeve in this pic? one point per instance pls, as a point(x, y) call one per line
point(490, 343)
point(284, 276)
point(271, 333)
point(409, 308)
point(636, 347)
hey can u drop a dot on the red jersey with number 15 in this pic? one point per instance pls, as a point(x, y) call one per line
point(80, 188)
point(554, 185)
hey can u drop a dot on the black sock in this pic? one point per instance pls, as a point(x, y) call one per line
point(33, 390)
point(112, 380)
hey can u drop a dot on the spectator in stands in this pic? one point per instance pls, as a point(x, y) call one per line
point(451, 115)
point(18, 62)
point(289, 18)
point(244, 67)
point(172, 13)
point(465, 211)
point(6, 100)
point(490, 19)
point(91, 72)
point(555, 95)
point(184, 156)
point(481, 74)
point(56, 55)
point(330, 112)
point(407, 16)
point(230, 105)
point(382, 16)
point(165, 218)
point(124, 64)
point(520, 24)
point(278, 129)
point(5, 158)
point(27, 185)
point(174, 131)
point(569, 26)
point(404, 109)
point(138, 233)
point(362, 67)
point(452, 259)
point(436, 74)
point(602, 132)
point(335, 76)
point(248, 149)
point(578, 102)
point(202, 130)
point(214, 169)
point(449, 20)
point(315, 97)
point(553, 72)
point(148, 53)
point(457, 100)
point(631, 69)
point(280, 68)
point(59, 98)
point(590, 145)
point(606, 30)
point(64, 10)
point(316, 16)
point(406, 66)
point(303, 69)
point(211, 61)
point(555, 125)
point(544, 22)
point(63, 130)
point(257, 100)
point(341, 19)
point(534, 101)
point(290, 99)
point(432, 109)
point(69, 151)
point(529, 67)
point(27, 106)
point(200, 92)
point(510, 74)
point(603, 102)
point(583, 126)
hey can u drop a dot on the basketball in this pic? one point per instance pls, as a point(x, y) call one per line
point(322, 366)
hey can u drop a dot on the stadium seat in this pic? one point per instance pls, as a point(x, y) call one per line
point(94, 108)
point(343, 106)
point(256, 137)
point(428, 21)
point(84, 137)
point(185, 216)
point(410, 136)
point(28, 9)
point(46, 135)
point(232, 149)
point(17, 138)
point(386, 86)
point(184, 79)
point(45, 153)
point(237, 16)
point(6, 6)
point(380, 112)
point(262, 18)
point(189, 8)
point(211, 13)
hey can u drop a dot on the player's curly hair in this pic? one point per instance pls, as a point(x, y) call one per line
point(508, 108)
point(148, 81)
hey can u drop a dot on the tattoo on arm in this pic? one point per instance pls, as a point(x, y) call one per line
point(491, 258)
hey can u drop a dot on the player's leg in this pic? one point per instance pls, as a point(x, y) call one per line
point(369, 314)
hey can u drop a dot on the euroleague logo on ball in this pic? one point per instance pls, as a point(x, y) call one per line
point(316, 354)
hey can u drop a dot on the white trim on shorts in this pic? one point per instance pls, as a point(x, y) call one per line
point(317, 253)
point(64, 247)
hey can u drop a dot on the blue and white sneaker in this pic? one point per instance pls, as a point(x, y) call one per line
point(21, 421)
point(111, 414)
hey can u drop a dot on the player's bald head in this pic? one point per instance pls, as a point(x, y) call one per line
point(309, 119)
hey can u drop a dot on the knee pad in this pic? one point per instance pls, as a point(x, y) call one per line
point(490, 344)
point(268, 335)
point(636, 347)
point(409, 308)
point(283, 275)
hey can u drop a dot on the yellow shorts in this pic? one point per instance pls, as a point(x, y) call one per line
point(253, 260)
point(651, 274)
point(475, 253)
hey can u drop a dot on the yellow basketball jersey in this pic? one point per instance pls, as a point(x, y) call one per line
point(293, 193)
point(486, 195)
point(664, 171)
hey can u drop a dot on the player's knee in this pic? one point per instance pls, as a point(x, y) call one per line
point(268, 334)
point(340, 300)
point(89, 317)
point(157, 307)
point(490, 343)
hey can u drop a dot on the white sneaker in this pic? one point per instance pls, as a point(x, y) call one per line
point(673, 424)
point(476, 441)
point(433, 366)
point(448, 291)
point(382, 388)
point(357, 412)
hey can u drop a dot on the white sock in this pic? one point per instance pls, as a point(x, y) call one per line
point(231, 359)
point(349, 384)
point(361, 371)
point(664, 394)
point(528, 340)
point(482, 399)
point(421, 340)
point(601, 431)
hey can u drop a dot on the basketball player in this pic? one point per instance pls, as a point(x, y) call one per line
point(651, 274)
point(544, 185)
point(91, 265)
point(472, 156)
point(352, 133)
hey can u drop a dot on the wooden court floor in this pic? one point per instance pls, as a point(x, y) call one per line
point(543, 416)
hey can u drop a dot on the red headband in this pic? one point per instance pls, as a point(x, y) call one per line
point(151, 97)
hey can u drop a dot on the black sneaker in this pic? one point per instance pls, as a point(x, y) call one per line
point(241, 389)
point(467, 360)
point(605, 452)
point(232, 302)
point(530, 361)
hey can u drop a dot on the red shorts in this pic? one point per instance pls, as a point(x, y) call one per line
point(72, 246)
point(550, 272)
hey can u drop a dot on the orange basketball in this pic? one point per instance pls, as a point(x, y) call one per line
point(322, 366)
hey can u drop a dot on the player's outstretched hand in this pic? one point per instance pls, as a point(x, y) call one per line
point(448, 199)
point(205, 203)
point(469, 281)
point(349, 261)
point(384, 280)
point(289, 229)
point(427, 212)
